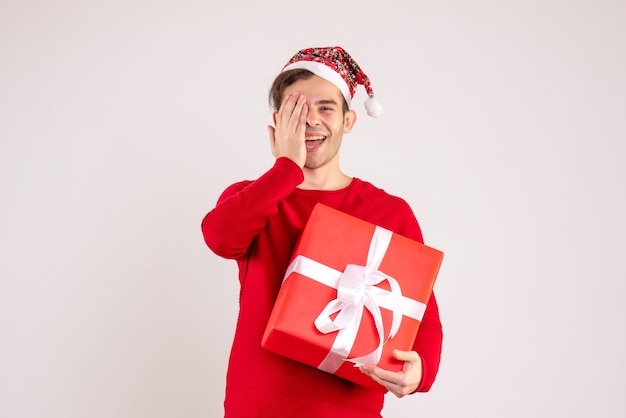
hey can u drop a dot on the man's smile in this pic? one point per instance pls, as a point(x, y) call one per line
point(313, 142)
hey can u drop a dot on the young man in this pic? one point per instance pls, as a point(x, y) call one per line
point(257, 223)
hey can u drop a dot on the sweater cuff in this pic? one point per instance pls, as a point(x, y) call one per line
point(422, 387)
point(293, 170)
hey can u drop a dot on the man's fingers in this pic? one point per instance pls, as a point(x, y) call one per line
point(298, 115)
point(287, 137)
point(304, 112)
point(290, 111)
point(399, 383)
point(385, 378)
point(288, 107)
point(380, 375)
point(405, 355)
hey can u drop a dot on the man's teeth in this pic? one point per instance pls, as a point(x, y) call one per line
point(315, 138)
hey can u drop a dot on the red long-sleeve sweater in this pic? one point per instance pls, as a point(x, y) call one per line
point(257, 223)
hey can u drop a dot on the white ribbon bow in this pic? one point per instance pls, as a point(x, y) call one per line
point(356, 291)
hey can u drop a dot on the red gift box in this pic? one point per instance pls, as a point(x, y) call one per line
point(353, 292)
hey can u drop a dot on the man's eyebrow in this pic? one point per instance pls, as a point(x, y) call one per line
point(326, 101)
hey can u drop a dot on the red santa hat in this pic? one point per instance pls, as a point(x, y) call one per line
point(336, 66)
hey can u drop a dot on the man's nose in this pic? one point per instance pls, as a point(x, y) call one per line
point(312, 118)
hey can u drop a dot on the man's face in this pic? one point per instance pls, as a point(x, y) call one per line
point(326, 121)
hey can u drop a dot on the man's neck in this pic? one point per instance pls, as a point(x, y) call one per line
point(324, 180)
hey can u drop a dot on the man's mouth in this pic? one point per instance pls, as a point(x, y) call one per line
point(314, 141)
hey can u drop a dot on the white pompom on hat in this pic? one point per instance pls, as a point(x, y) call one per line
point(335, 65)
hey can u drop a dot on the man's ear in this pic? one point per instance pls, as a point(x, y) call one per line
point(349, 119)
point(274, 116)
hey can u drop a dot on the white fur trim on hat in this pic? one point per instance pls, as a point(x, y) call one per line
point(325, 72)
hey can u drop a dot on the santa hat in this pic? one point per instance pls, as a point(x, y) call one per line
point(336, 66)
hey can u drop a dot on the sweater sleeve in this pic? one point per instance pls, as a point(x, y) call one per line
point(243, 209)
point(428, 344)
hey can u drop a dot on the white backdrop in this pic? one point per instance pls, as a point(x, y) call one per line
point(122, 121)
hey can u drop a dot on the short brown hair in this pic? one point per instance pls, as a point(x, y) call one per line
point(286, 79)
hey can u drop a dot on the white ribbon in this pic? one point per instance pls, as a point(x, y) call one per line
point(356, 290)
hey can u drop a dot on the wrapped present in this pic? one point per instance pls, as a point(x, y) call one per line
point(353, 292)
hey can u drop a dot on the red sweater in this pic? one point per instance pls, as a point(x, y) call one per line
point(257, 223)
